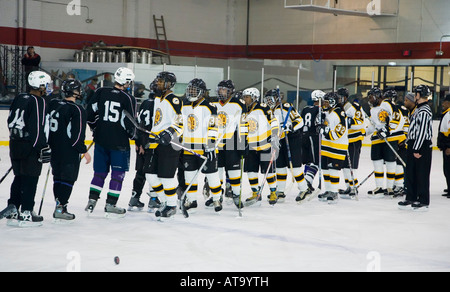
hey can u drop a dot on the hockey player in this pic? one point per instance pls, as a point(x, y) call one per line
point(310, 138)
point(334, 145)
point(143, 153)
point(200, 135)
point(291, 124)
point(356, 133)
point(229, 113)
point(112, 132)
point(28, 149)
point(167, 126)
point(66, 140)
point(443, 140)
point(263, 143)
point(386, 125)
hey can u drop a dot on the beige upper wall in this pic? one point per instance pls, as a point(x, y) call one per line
point(225, 21)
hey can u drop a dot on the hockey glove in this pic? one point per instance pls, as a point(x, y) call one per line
point(165, 137)
point(383, 133)
point(210, 154)
point(45, 155)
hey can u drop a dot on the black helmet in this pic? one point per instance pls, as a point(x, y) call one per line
point(271, 98)
point(375, 91)
point(343, 92)
point(169, 79)
point(70, 86)
point(390, 93)
point(423, 90)
point(332, 98)
point(195, 89)
point(228, 85)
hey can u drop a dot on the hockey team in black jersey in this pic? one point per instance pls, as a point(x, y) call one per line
point(177, 138)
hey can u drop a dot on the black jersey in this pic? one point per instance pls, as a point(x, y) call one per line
point(309, 116)
point(27, 120)
point(145, 120)
point(105, 117)
point(67, 129)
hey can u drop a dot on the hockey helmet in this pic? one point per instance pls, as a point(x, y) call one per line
point(71, 87)
point(331, 99)
point(252, 92)
point(317, 94)
point(123, 76)
point(271, 98)
point(343, 93)
point(225, 86)
point(37, 79)
point(169, 79)
point(195, 89)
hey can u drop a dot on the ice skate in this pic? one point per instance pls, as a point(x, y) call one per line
point(90, 206)
point(60, 215)
point(324, 196)
point(281, 197)
point(389, 192)
point(349, 194)
point(273, 198)
point(303, 195)
point(377, 193)
point(189, 205)
point(237, 201)
point(332, 198)
point(153, 204)
point(217, 206)
point(135, 203)
point(11, 209)
point(228, 191)
point(112, 211)
point(166, 212)
point(398, 191)
point(255, 199)
point(26, 219)
point(210, 203)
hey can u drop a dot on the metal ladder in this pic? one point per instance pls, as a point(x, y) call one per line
point(161, 36)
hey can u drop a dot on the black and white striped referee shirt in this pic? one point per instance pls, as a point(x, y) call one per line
point(421, 126)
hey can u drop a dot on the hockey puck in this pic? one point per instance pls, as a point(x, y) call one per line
point(116, 260)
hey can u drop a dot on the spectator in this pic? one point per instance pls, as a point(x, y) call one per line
point(106, 82)
point(31, 61)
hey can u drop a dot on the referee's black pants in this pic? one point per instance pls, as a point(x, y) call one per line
point(417, 174)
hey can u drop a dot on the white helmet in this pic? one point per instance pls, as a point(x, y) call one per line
point(253, 92)
point(36, 79)
point(124, 75)
point(317, 94)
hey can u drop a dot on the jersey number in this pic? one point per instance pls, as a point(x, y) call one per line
point(112, 114)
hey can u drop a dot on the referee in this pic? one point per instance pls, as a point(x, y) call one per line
point(418, 159)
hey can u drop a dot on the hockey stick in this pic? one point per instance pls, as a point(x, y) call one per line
point(131, 118)
point(364, 180)
point(389, 144)
point(45, 188)
point(240, 187)
point(89, 147)
point(288, 148)
point(6, 174)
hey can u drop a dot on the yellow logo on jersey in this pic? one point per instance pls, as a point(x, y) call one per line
point(382, 116)
point(158, 117)
point(222, 119)
point(192, 123)
point(252, 125)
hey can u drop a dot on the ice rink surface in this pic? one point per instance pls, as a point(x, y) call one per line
point(365, 235)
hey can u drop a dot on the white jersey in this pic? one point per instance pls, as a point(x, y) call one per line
point(385, 113)
point(356, 131)
point(200, 125)
point(293, 122)
point(335, 142)
point(261, 125)
point(228, 118)
point(167, 114)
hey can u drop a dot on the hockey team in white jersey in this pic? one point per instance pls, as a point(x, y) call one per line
point(279, 148)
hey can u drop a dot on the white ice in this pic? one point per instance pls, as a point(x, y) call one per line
point(364, 235)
